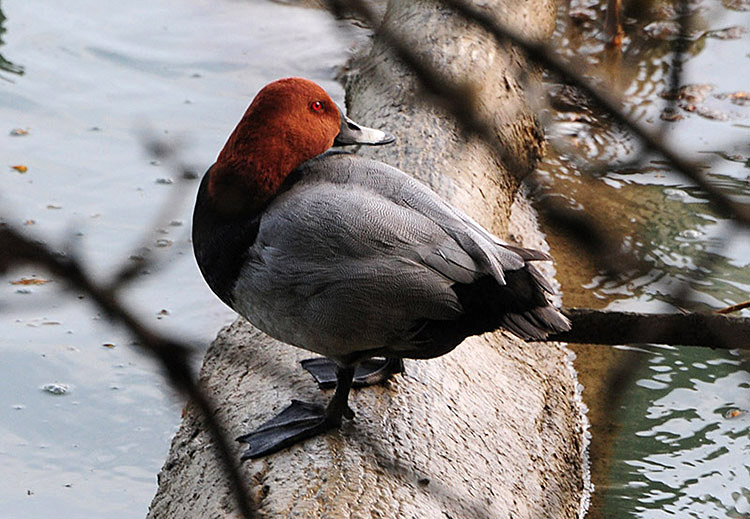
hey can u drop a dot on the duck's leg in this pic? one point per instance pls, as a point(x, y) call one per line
point(301, 420)
point(368, 372)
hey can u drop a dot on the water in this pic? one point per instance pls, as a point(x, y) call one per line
point(683, 447)
point(97, 77)
point(675, 442)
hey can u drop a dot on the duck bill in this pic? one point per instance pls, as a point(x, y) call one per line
point(353, 133)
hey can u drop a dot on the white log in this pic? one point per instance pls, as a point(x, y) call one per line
point(494, 429)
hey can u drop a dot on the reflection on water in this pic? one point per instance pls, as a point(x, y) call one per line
point(677, 441)
point(684, 443)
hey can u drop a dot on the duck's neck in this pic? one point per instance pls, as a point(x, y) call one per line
point(249, 171)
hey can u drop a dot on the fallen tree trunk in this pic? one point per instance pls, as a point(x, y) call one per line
point(495, 429)
point(690, 329)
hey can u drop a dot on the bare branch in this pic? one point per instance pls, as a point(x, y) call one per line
point(679, 47)
point(129, 269)
point(692, 329)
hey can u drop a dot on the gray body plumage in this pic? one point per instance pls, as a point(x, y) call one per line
point(356, 258)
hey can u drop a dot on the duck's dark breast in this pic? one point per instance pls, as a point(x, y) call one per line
point(221, 243)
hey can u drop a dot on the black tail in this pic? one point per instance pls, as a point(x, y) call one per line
point(537, 324)
point(520, 306)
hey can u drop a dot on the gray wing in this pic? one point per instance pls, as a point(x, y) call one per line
point(357, 256)
point(349, 269)
point(490, 254)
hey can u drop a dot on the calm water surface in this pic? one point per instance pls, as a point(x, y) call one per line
point(99, 75)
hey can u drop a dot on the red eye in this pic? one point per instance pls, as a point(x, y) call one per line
point(316, 106)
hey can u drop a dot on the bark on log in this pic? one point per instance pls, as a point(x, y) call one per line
point(692, 329)
point(494, 429)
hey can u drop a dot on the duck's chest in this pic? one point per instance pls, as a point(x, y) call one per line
point(220, 245)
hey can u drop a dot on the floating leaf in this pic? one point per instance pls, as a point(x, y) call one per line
point(692, 93)
point(671, 115)
point(739, 98)
point(737, 5)
point(20, 168)
point(18, 132)
point(30, 281)
point(729, 33)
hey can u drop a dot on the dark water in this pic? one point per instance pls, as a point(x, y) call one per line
point(677, 440)
point(684, 443)
point(97, 75)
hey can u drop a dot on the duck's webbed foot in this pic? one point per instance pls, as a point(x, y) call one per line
point(297, 422)
point(367, 373)
point(301, 420)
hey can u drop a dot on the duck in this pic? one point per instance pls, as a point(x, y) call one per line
point(348, 257)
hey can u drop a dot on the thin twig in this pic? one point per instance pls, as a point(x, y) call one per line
point(129, 269)
point(734, 308)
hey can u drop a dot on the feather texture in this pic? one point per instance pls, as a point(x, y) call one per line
point(356, 257)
